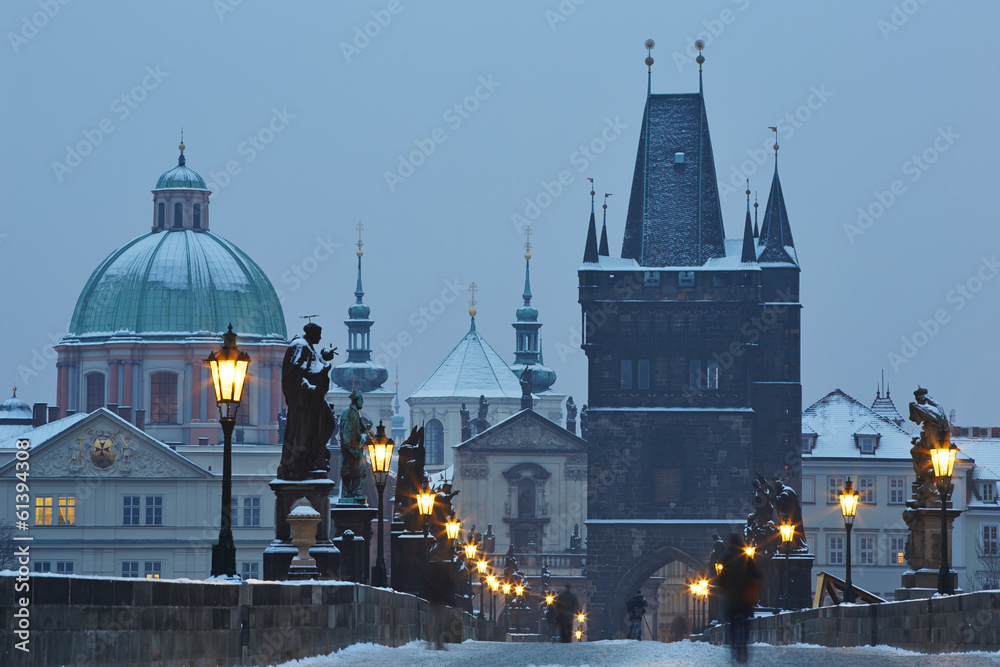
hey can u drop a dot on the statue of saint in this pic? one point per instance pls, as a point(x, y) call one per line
point(481, 424)
point(789, 509)
point(305, 379)
point(466, 425)
point(571, 415)
point(584, 423)
point(354, 438)
point(526, 380)
point(935, 431)
point(575, 541)
point(410, 478)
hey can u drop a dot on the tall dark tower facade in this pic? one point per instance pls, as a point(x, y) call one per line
point(692, 342)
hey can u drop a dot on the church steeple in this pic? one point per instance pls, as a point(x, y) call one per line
point(590, 251)
point(749, 250)
point(359, 372)
point(527, 346)
point(603, 250)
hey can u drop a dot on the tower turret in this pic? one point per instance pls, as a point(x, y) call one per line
point(527, 347)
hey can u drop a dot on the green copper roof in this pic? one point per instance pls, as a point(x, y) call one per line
point(180, 177)
point(170, 284)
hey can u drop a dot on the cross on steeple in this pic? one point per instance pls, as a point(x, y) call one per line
point(361, 228)
point(308, 317)
point(472, 295)
point(527, 242)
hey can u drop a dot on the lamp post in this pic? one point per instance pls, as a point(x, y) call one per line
point(470, 559)
point(943, 459)
point(229, 372)
point(380, 456)
point(848, 507)
point(787, 531)
point(494, 584)
point(425, 505)
point(481, 567)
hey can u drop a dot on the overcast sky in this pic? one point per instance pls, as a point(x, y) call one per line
point(316, 109)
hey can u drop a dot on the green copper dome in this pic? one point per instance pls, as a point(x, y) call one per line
point(180, 177)
point(172, 284)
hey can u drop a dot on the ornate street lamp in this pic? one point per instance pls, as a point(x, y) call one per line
point(848, 507)
point(718, 568)
point(750, 550)
point(943, 460)
point(494, 585)
point(787, 531)
point(425, 505)
point(229, 372)
point(452, 527)
point(481, 567)
point(380, 456)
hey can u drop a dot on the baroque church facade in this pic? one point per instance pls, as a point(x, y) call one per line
point(692, 342)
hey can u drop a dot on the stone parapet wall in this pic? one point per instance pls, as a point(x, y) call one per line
point(77, 621)
point(957, 623)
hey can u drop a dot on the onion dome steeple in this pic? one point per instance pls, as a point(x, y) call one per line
point(527, 347)
point(359, 371)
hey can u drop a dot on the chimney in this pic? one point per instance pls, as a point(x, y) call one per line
point(70, 413)
point(112, 407)
point(125, 412)
point(140, 419)
point(39, 412)
point(53, 413)
point(203, 442)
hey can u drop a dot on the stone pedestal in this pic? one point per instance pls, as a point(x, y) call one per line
point(357, 519)
point(278, 556)
point(795, 572)
point(409, 560)
point(924, 553)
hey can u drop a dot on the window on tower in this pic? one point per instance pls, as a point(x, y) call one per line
point(178, 215)
point(434, 442)
point(196, 222)
point(642, 381)
point(163, 398)
point(626, 374)
point(95, 391)
point(712, 376)
point(161, 215)
point(694, 374)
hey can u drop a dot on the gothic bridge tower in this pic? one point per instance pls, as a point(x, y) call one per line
point(692, 342)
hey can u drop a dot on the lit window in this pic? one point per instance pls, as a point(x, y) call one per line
point(130, 568)
point(95, 391)
point(712, 376)
point(43, 511)
point(897, 490)
point(836, 550)
point(835, 485)
point(67, 510)
point(251, 511)
point(989, 492)
point(250, 570)
point(897, 550)
point(154, 510)
point(866, 550)
point(130, 511)
point(151, 569)
point(163, 398)
point(866, 490)
point(626, 376)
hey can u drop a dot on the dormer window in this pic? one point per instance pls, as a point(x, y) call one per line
point(685, 278)
point(867, 443)
point(808, 442)
point(989, 492)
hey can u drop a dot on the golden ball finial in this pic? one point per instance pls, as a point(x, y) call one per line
point(360, 252)
point(181, 146)
point(650, 44)
point(527, 255)
point(472, 311)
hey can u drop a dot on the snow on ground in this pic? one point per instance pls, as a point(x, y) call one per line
point(626, 653)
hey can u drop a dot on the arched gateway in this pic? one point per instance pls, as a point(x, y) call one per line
point(692, 343)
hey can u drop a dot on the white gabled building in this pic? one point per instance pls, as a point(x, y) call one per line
point(109, 499)
point(982, 516)
point(842, 438)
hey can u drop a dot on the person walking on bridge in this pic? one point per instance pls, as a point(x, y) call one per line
point(740, 583)
point(567, 607)
point(636, 608)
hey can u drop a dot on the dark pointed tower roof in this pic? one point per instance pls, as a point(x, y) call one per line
point(674, 213)
point(590, 251)
point(776, 234)
point(603, 250)
point(527, 344)
point(749, 250)
point(756, 230)
point(359, 371)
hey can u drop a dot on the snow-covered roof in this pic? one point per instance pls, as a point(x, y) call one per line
point(985, 452)
point(44, 432)
point(471, 370)
point(884, 406)
point(837, 418)
point(731, 262)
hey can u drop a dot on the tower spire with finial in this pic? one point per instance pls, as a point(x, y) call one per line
point(603, 249)
point(649, 66)
point(776, 147)
point(590, 250)
point(181, 160)
point(756, 231)
point(700, 60)
point(473, 288)
point(359, 292)
point(527, 265)
point(749, 251)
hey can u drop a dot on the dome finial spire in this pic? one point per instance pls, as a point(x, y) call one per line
point(527, 264)
point(775, 130)
point(180, 159)
point(700, 60)
point(359, 292)
point(473, 288)
point(649, 66)
point(603, 248)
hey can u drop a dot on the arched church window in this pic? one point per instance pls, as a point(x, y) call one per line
point(161, 215)
point(163, 398)
point(434, 442)
point(95, 391)
point(196, 223)
point(178, 215)
point(526, 498)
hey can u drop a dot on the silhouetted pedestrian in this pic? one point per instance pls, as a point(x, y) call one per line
point(439, 590)
point(636, 608)
point(740, 583)
point(567, 607)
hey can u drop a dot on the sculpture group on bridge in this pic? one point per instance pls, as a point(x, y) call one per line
point(774, 499)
